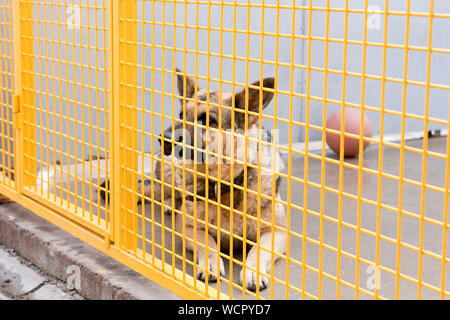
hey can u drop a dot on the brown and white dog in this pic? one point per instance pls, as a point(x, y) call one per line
point(235, 171)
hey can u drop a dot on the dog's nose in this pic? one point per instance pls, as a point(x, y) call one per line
point(178, 138)
point(166, 141)
point(168, 134)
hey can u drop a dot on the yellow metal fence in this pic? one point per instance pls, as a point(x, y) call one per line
point(90, 89)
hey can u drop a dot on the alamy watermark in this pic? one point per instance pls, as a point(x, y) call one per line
point(374, 18)
point(213, 146)
point(73, 17)
point(374, 280)
point(73, 277)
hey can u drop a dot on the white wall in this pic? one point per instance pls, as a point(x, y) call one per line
point(242, 18)
point(396, 35)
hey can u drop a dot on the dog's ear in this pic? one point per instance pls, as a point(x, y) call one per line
point(186, 86)
point(259, 95)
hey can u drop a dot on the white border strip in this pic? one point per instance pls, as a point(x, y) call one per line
point(315, 146)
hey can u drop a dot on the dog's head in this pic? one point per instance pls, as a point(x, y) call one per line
point(212, 127)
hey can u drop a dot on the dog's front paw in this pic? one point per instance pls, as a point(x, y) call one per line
point(209, 268)
point(253, 281)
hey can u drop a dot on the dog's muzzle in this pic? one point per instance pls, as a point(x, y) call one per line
point(224, 188)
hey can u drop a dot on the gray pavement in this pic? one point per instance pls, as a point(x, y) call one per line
point(52, 251)
point(341, 248)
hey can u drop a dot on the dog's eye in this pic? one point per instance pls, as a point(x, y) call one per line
point(202, 119)
point(212, 122)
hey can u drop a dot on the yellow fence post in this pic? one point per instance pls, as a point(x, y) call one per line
point(25, 115)
point(124, 120)
point(7, 90)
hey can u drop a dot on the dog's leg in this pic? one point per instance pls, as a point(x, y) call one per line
point(206, 262)
point(206, 257)
point(265, 259)
point(147, 189)
point(157, 194)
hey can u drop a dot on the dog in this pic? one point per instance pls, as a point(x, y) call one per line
point(228, 158)
point(193, 158)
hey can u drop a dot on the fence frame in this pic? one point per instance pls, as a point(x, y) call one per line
point(115, 242)
point(118, 238)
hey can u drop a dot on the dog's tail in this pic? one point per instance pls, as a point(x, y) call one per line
point(61, 174)
point(94, 171)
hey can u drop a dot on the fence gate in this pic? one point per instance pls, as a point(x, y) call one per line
point(94, 95)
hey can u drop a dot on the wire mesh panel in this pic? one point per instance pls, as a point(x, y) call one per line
point(6, 95)
point(203, 140)
point(64, 104)
point(244, 199)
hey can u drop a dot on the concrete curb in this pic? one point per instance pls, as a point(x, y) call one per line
point(54, 251)
point(21, 280)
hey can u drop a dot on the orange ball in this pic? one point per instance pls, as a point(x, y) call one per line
point(353, 126)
